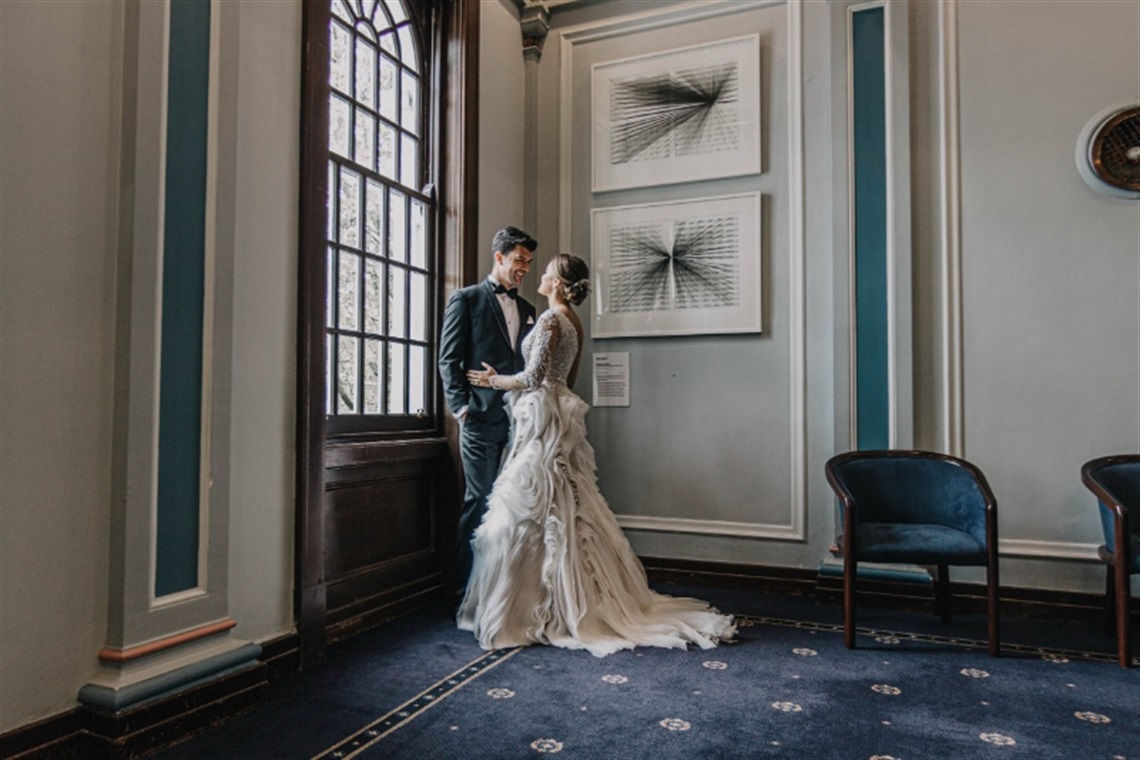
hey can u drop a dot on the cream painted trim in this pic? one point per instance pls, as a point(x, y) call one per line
point(900, 310)
point(711, 527)
point(852, 293)
point(797, 258)
point(1048, 550)
point(205, 461)
point(159, 259)
point(951, 232)
point(684, 13)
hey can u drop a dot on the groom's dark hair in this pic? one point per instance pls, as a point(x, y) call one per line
point(507, 238)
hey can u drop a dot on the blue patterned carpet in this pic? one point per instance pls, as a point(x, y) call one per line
point(419, 688)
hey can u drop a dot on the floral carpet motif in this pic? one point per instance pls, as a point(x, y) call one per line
point(786, 688)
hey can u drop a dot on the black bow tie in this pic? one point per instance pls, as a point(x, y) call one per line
point(511, 293)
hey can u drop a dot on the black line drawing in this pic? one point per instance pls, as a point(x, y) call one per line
point(684, 264)
point(691, 112)
point(679, 115)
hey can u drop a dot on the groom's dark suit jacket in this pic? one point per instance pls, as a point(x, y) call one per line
point(475, 331)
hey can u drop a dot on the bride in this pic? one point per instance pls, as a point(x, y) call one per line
point(551, 564)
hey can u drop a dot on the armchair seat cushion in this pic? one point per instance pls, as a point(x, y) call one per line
point(917, 542)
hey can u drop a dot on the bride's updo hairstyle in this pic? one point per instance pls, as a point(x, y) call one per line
point(575, 277)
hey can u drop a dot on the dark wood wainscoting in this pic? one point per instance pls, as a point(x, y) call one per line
point(386, 543)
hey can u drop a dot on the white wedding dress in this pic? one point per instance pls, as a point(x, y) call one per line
point(551, 564)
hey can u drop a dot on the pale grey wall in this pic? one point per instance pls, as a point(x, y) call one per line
point(1051, 269)
point(61, 71)
point(59, 162)
point(501, 130)
point(265, 309)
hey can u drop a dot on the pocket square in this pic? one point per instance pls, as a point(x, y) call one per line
point(530, 320)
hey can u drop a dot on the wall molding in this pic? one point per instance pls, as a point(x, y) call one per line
point(794, 529)
point(1061, 551)
point(951, 229)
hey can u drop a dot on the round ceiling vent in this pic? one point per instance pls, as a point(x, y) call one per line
point(1108, 151)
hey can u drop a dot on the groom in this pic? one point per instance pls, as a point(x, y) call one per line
point(484, 323)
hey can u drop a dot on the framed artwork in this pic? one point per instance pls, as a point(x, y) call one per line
point(677, 268)
point(678, 115)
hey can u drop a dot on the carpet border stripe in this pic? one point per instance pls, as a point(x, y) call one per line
point(414, 707)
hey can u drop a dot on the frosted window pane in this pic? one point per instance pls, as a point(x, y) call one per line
point(419, 234)
point(348, 289)
point(340, 9)
point(396, 9)
point(388, 102)
point(387, 151)
point(397, 302)
point(396, 401)
point(371, 377)
point(374, 217)
point(388, 42)
point(417, 308)
point(410, 103)
point(330, 205)
point(338, 126)
point(365, 140)
point(330, 386)
point(330, 294)
point(409, 161)
point(348, 351)
point(340, 58)
point(408, 53)
point(373, 297)
point(349, 208)
point(397, 243)
point(417, 373)
point(366, 73)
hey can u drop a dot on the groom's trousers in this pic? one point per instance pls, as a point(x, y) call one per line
point(481, 445)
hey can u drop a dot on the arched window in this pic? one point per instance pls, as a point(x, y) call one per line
point(380, 273)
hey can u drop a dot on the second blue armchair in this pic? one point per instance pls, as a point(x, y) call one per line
point(915, 507)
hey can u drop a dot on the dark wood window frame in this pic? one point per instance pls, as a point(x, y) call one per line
point(450, 100)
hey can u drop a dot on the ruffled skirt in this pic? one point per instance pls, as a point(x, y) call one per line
point(551, 564)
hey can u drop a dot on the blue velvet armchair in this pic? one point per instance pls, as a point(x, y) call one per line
point(1115, 481)
point(915, 507)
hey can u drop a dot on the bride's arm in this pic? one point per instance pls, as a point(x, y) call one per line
point(537, 361)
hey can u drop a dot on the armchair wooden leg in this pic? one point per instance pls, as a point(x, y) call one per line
point(993, 612)
point(1109, 600)
point(942, 594)
point(1123, 613)
point(849, 571)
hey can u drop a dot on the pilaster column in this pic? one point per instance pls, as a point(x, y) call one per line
point(535, 24)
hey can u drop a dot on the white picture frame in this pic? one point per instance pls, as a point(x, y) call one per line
point(677, 116)
point(677, 268)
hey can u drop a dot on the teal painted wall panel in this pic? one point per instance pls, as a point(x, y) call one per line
point(183, 284)
point(870, 174)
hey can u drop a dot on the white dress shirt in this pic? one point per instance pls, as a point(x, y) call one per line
point(510, 311)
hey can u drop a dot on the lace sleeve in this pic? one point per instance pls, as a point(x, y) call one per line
point(542, 346)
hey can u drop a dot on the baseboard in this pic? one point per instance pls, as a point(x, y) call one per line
point(783, 580)
point(87, 733)
point(281, 655)
point(884, 594)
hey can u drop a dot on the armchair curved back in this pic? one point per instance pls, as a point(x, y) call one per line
point(916, 487)
point(1115, 481)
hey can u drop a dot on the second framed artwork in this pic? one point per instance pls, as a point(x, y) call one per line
point(677, 116)
point(677, 268)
